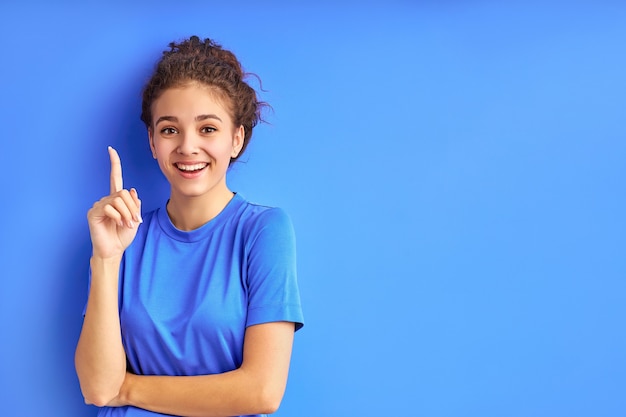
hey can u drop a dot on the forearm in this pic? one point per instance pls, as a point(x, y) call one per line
point(257, 387)
point(233, 393)
point(100, 359)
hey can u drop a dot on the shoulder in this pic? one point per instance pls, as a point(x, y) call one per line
point(258, 219)
point(257, 215)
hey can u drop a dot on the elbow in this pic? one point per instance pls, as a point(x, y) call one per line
point(98, 401)
point(269, 399)
point(98, 398)
point(99, 390)
point(99, 394)
point(270, 407)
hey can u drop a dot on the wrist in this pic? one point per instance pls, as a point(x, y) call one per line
point(98, 259)
point(104, 267)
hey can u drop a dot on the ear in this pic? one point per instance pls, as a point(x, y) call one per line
point(238, 141)
point(151, 139)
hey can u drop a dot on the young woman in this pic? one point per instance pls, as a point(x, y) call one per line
point(192, 309)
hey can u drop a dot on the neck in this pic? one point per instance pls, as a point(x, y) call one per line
point(190, 213)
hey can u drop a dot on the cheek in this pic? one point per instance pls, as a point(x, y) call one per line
point(221, 151)
point(227, 155)
point(161, 155)
point(162, 149)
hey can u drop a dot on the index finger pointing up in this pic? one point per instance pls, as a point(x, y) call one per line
point(116, 171)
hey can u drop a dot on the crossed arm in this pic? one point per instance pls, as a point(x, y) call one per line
point(256, 387)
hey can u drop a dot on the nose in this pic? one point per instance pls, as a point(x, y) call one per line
point(188, 144)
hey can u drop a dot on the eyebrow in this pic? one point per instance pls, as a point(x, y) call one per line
point(207, 116)
point(199, 118)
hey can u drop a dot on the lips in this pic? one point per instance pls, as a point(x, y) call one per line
point(191, 167)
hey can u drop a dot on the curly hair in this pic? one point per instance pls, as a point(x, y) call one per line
point(206, 62)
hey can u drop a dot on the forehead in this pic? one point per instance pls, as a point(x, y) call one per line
point(189, 101)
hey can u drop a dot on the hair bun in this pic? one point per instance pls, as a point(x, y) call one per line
point(206, 49)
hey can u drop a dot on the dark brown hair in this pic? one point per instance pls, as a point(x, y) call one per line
point(206, 62)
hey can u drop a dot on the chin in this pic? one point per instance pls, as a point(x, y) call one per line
point(195, 192)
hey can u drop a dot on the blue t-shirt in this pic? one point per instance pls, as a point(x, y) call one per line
point(186, 298)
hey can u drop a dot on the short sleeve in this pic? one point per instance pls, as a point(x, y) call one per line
point(273, 293)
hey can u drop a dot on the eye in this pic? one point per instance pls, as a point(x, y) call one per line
point(166, 131)
point(208, 129)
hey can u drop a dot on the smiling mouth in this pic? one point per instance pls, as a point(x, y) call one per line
point(192, 167)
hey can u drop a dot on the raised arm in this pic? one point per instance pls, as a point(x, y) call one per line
point(100, 359)
point(257, 387)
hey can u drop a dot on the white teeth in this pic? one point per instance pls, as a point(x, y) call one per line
point(193, 167)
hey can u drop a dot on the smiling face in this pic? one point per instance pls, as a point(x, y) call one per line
point(193, 139)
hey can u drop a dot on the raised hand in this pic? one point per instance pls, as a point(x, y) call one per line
point(113, 221)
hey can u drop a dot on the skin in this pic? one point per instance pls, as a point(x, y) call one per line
point(191, 127)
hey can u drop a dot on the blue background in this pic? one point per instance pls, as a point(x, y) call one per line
point(454, 170)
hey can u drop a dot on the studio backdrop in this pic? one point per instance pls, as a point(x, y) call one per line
point(454, 172)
